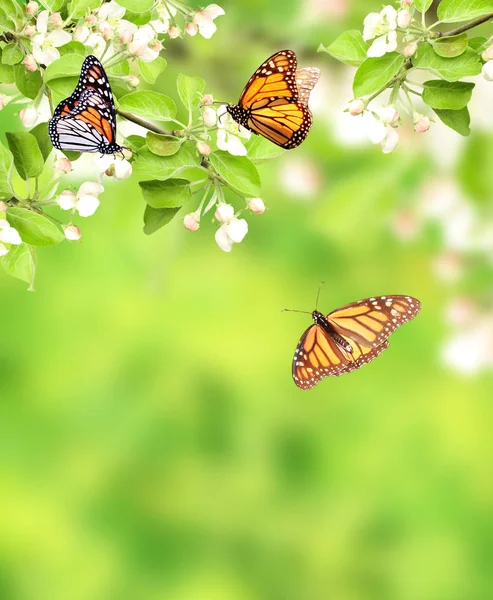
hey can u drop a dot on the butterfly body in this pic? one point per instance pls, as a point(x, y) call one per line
point(274, 103)
point(349, 337)
point(86, 121)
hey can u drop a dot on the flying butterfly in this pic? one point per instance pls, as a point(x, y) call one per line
point(349, 337)
point(274, 103)
point(86, 121)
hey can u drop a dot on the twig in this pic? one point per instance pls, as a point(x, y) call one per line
point(147, 124)
point(465, 27)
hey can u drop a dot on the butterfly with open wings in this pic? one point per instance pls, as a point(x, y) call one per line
point(274, 103)
point(86, 121)
point(349, 337)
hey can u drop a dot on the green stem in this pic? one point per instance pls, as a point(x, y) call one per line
point(465, 27)
point(147, 124)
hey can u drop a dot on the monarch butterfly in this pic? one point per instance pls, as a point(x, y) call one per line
point(86, 121)
point(349, 337)
point(274, 103)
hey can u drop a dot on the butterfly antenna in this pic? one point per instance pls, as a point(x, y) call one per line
point(318, 294)
point(305, 312)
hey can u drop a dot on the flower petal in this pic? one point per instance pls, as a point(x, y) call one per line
point(92, 187)
point(3, 250)
point(378, 48)
point(42, 21)
point(222, 239)
point(213, 11)
point(58, 37)
point(237, 230)
point(87, 205)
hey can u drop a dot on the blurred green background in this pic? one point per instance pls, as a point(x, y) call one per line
point(152, 442)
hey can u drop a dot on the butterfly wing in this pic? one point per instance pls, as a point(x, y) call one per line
point(87, 128)
point(306, 80)
point(370, 322)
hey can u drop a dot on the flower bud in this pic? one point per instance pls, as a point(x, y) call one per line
point(107, 34)
point(91, 20)
point(406, 3)
point(156, 46)
point(72, 233)
point(28, 116)
point(237, 230)
point(126, 37)
point(391, 140)
point(29, 31)
point(3, 207)
point(488, 70)
point(133, 81)
point(203, 148)
point(209, 116)
point(224, 213)
point(410, 50)
point(127, 153)
point(56, 20)
point(256, 205)
point(30, 63)
point(207, 99)
point(191, 222)
point(487, 54)
point(404, 19)
point(81, 34)
point(388, 115)
point(4, 100)
point(191, 29)
point(174, 32)
point(136, 48)
point(356, 107)
point(67, 200)
point(421, 124)
point(122, 169)
point(32, 8)
point(63, 165)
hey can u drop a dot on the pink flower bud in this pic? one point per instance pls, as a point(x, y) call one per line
point(126, 37)
point(406, 3)
point(56, 20)
point(207, 99)
point(29, 31)
point(410, 50)
point(388, 115)
point(72, 233)
point(127, 153)
point(224, 213)
point(67, 200)
point(487, 54)
point(356, 107)
point(209, 116)
point(174, 32)
point(3, 207)
point(91, 20)
point(136, 48)
point(30, 63)
point(256, 205)
point(203, 148)
point(191, 222)
point(133, 81)
point(156, 46)
point(422, 124)
point(191, 29)
point(404, 19)
point(32, 8)
point(107, 34)
point(63, 165)
point(28, 116)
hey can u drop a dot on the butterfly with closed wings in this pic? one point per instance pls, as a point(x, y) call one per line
point(274, 103)
point(349, 337)
point(86, 121)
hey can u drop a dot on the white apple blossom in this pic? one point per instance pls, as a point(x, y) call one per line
point(97, 43)
point(488, 70)
point(81, 34)
point(4, 100)
point(487, 54)
point(404, 18)
point(256, 205)
point(391, 140)
point(8, 235)
point(28, 116)
point(209, 116)
point(63, 165)
point(380, 133)
point(191, 221)
point(224, 213)
point(111, 12)
point(470, 349)
point(144, 45)
point(85, 202)
point(204, 19)
point(229, 134)
point(116, 166)
point(72, 233)
point(356, 107)
point(45, 44)
point(381, 28)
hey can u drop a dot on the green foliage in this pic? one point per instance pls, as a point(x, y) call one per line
point(35, 229)
point(80, 8)
point(28, 159)
point(151, 71)
point(151, 166)
point(137, 6)
point(349, 48)
point(149, 105)
point(163, 145)
point(450, 47)
point(455, 11)
point(190, 90)
point(467, 64)
point(458, 120)
point(447, 95)
point(27, 83)
point(20, 262)
point(40, 132)
point(66, 66)
point(171, 193)
point(375, 73)
point(6, 164)
point(237, 171)
point(11, 54)
point(423, 5)
point(155, 218)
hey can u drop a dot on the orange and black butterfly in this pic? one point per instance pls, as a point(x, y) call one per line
point(86, 121)
point(274, 103)
point(349, 337)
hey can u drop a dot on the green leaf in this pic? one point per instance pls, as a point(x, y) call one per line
point(447, 95)
point(190, 90)
point(27, 83)
point(455, 11)
point(73, 48)
point(11, 54)
point(171, 193)
point(423, 5)
point(40, 132)
point(150, 105)
point(155, 218)
point(20, 262)
point(375, 73)
point(458, 120)
point(151, 71)
point(138, 18)
point(136, 142)
point(450, 47)
point(53, 5)
point(467, 64)
point(238, 171)
point(28, 159)
point(6, 163)
point(66, 66)
point(80, 8)
point(7, 74)
point(62, 88)
point(151, 166)
point(137, 6)
point(260, 149)
point(478, 43)
point(349, 48)
point(71, 154)
point(34, 229)
point(163, 145)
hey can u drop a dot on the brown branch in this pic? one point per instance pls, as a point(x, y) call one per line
point(147, 124)
point(466, 27)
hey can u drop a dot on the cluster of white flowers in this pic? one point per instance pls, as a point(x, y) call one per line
point(8, 234)
point(383, 28)
point(85, 201)
point(229, 133)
